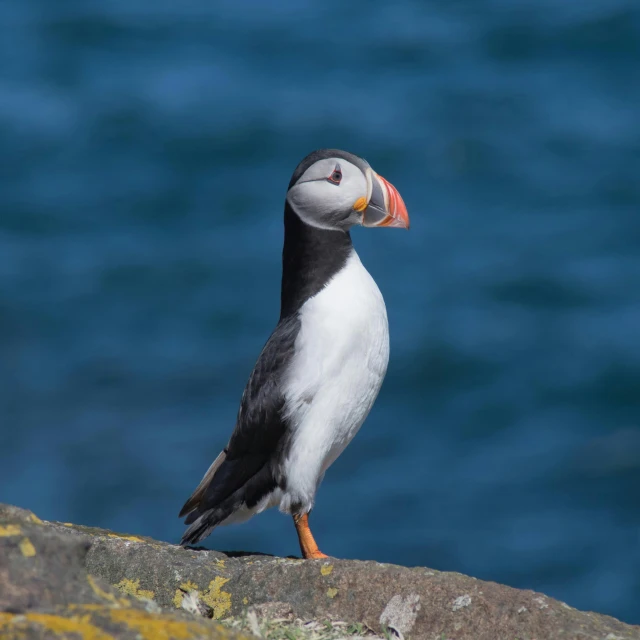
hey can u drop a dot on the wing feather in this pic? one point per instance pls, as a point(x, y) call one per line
point(245, 471)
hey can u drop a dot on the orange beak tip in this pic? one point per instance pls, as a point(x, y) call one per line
point(398, 216)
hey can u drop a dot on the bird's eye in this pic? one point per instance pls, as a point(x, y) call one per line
point(336, 176)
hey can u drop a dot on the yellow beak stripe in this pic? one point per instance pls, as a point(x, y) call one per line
point(360, 204)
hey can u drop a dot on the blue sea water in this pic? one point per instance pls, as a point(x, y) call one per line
point(146, 149)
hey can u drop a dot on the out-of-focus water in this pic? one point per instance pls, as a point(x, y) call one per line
point(146, 149)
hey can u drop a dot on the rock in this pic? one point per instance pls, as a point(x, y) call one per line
point(138, 573)
point(107, 623)
point(46, 592)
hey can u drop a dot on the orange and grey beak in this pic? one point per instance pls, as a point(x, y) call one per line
point(385, 207)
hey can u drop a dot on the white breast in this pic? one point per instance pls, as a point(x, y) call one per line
point(341, 357)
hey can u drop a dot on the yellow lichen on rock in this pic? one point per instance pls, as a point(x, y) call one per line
point(105, 595)
point(34, 518)
point(78, 625)
point(102, 622)
point(132, 588)
point(26, 548)
point(326, 569)
point(88, 607)
point(331, 592)
point(125, 537)
point(10, 530)
point(150, 627)
point(218, 600)
point(185, 587)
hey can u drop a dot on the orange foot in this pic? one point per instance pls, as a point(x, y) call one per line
point(308, 545)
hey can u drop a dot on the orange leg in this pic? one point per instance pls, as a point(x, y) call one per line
point(308, 545)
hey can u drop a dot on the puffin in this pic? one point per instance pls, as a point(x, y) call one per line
point(321, 369)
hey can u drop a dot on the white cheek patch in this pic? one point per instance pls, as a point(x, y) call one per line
point(311, 202)
point(323, 204)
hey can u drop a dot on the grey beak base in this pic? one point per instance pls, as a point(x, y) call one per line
point(376, 210)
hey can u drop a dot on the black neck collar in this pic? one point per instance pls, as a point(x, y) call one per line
point(310, 258)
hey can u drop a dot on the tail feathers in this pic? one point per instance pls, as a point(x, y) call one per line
point(192, 503)
point(202, 524)
point(195, 514)
point(203, 518)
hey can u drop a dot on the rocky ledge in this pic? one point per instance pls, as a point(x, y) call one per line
point(60, 580)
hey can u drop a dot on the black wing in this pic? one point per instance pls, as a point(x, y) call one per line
point(244, 472)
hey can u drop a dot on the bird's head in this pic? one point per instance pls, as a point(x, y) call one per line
point(332, 189)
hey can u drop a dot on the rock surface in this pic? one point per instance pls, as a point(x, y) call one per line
point(46, 592)
point(54, 576)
